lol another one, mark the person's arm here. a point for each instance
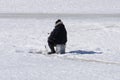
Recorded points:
(52, 37)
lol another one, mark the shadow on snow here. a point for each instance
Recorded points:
(84, 52)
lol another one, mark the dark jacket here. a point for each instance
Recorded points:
(58, 35)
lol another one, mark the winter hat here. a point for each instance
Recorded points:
(58, 21)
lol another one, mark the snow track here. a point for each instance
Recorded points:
(77, 58)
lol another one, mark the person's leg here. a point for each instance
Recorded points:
(60, 48)
(51, 46)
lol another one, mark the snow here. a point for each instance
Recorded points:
(60, 6)
(92, 51)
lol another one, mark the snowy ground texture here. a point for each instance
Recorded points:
(92, 51)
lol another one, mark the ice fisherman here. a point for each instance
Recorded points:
(58, 38)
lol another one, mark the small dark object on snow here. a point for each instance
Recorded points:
(51, 52)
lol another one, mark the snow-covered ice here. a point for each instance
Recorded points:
(92, 51)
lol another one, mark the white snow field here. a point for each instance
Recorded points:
(92, 50)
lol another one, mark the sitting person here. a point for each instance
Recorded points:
(58, 38)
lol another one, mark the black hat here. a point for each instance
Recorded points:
(57, 21)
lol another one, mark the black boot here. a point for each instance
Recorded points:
(51, 52)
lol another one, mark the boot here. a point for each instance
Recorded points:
(52, 52)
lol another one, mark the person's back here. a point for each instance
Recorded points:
(61, 36)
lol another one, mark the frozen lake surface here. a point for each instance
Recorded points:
(92, 50)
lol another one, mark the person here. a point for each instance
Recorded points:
(57, 37)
